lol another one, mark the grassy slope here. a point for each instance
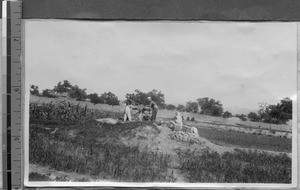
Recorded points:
(97, 151)
(100, 153)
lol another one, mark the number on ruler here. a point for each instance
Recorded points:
(16, 138)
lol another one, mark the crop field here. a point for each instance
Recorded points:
(65, 137)
(226, 121)
(168, 114)
(233, 138)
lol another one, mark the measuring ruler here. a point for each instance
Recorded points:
(11, 96)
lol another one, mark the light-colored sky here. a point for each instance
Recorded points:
(240, 64)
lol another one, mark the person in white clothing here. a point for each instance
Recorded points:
(127, 115)
(177, 121)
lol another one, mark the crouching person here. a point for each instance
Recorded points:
(194, 131)
(176, 123)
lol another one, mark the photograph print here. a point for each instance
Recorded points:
(167, 103)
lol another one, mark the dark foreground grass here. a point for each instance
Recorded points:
(88, 149)
(237, 167)
(38, 177)
(233, 138)
(99, 153)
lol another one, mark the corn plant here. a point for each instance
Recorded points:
(65, 113)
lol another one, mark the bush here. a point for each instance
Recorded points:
(34, 90)
(48, 93)
(78, 93)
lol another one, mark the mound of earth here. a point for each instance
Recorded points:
(149, 137)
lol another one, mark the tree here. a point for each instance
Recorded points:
(158, 97)
(109, 98)
(65, 87)
(286, 107)
(227, 114)
(264, 113)
(34, 90)
(95, 99)
(170, 107)
(78, 93)
(210, 107)
(192, 107)
(139, 97)
(277, 114)
(242, 117)
(180, 107)
(253, 117)
(48, 93)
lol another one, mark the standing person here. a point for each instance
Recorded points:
(127, 115)
(140, 112)
(154, 109)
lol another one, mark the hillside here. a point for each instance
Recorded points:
(142, 151)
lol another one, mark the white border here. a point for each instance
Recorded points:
(28, 183)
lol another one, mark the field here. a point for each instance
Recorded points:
(169, 114)
(232, 138)
(65, 140)
(227, 121)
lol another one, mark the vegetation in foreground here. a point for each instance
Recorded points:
(237, 167)
(97, 153)
(85, 148)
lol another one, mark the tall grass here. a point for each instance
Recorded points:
(237, 167)
(97, 152)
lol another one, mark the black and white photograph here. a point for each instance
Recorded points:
(163, 103)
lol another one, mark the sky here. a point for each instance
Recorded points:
(239, 64)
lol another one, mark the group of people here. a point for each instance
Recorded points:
(176, 121)
(153, 106)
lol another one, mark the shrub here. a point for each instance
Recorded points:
(48, 93)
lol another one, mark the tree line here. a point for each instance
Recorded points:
(74, 91)
(279, 113)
